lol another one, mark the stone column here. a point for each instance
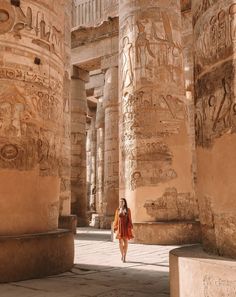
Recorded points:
(215, 122)
(156, 175)
(100, 158)
(111, 147)
(32, 72)
(78, 144)
(93, 165)
(66, 220)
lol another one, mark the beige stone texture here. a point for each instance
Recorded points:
(111, 149)
(91, 164)
(100, 125)
(78, 148)
(64, 170)
(35, 255)
(163, 233)
(93, 13)
(215, 122)
(32, 112)
(156, 160)
(194, 273)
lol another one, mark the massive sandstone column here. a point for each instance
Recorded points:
(215, 48)
(111, 147)
(156, 175)
(32, 106)
(78, 144)
(194, 272)
(93, 164)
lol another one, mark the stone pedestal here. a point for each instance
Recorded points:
(35, 255)
(215, 122)
(78, 145)
(195, 273)
(68, 222)
(167, 233)
(156, 174)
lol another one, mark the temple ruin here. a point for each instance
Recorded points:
(104, 99)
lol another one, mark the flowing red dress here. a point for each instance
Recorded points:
(123, 225)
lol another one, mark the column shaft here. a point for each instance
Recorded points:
(155, 169)
(215, 122)
(78, 148)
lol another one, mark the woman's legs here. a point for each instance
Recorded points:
(125, 249)
(121, 245)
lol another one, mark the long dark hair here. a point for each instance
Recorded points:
(126, 205)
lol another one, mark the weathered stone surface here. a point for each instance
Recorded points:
(194, 273)
(34, 102)
(35, 255)
(78, 148)
(174, 232)
(215, 122)
(155, 144)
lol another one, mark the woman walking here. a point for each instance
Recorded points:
(123, 227)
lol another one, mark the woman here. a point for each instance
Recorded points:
(123, 227)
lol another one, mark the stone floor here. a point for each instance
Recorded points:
(98, 271)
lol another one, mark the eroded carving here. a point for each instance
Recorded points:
(171, 206)
(216, 286)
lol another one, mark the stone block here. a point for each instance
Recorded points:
(167, 233)
(35, 255)
(195, 273)
(68, 222)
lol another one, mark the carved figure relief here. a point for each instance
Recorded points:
(215, 38)
(171, 206)
(215, 108)
(126, 69)
(216, 286)
(143, 48)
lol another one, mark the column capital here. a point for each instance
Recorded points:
(79, 73)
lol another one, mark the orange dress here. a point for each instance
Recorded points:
(123, 225)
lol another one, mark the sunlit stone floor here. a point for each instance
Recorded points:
(98, 271)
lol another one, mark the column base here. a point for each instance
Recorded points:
(82, 222)
(35, 255)
(68, 222)
(167, 233)
(101, 221)
(195, 273)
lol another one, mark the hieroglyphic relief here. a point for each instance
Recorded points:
(215, 105)
(149, 49)
(23, 19)
(215, 38)
(220, 287)
(171, 206)
(24, 142)
(201, 7)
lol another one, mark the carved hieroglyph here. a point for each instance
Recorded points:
(155, 146)
(215, 122)
(32, 109)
